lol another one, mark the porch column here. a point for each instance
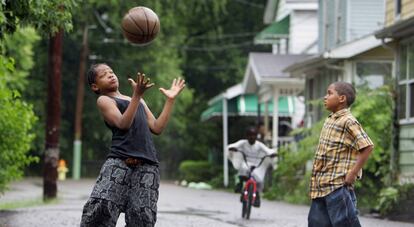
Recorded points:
(225, 142)
(275, 132)
(349, 71)
(266, 118)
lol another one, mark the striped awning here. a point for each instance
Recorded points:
(275, 31)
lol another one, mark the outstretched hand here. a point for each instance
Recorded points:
(141, 84)
(176, 87)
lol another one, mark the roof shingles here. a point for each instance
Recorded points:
(270, 65)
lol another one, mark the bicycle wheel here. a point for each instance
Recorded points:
(244, 208)
(249, 201)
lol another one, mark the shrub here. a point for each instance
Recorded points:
(196, 170)
(396, 202)
(16, 121)
(373, 109)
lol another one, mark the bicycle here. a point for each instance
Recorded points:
(249, 192)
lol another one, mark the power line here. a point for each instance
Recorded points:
(209, 67)
(217, 48)
(185, 47)
(225, 36)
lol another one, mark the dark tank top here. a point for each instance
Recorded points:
(136, 141)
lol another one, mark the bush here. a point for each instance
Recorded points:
(16, 116)
(397, 202)
(373, 109)
(196, 170)
(291, 179)
(16, 121)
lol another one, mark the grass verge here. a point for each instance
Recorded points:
(26, 203)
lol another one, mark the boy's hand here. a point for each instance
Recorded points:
(176, 87)
(350, 178)
(141, 84)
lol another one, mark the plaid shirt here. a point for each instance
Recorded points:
(341, 138)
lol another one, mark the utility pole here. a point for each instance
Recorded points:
(77, 143)
(51, 155)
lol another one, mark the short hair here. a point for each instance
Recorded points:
(344, 88)
(251, 130)
(92, 73)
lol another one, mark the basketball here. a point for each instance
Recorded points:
(140, 25)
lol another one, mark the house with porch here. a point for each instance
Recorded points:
(292, 31)
(374, 48)
(293, 34)
(399, 29)
(348, 51)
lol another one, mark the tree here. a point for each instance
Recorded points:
(167, 57)
(16, 116)
(50, 18)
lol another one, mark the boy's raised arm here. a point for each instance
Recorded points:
(158, 125)
(110, 111)
(113, 116)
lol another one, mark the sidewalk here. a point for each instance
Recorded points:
(66, 211)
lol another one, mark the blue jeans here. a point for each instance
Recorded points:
(336, 209)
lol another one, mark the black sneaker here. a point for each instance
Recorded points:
(257, 200)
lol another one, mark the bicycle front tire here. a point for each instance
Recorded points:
(249, 201)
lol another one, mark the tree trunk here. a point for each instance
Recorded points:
(51, 155)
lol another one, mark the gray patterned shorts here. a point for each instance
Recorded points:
(119, 188)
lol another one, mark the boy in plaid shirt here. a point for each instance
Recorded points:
(343, 149)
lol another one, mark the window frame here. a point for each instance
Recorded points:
(355, 66)
(407, 81)
(397, 9)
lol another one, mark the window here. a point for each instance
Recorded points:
(311, 94)
(406, 81)
(410, 59)
(402, 96)
(397, 9)
(373, 74)
(403, 64)
(411, 100)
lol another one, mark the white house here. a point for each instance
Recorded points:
(293, 26)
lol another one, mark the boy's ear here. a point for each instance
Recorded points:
(342, 98)
(94, 87)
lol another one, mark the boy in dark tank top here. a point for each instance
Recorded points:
(129, 179)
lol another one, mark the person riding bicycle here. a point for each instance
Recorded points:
(254, 151)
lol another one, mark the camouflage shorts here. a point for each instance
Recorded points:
(119, 188)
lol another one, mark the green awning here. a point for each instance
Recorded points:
(275, 31)
(246, 105)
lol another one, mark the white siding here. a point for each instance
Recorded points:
(364, 17)
(303, 31)
(340, 23)
(330, 24)
(321, 28)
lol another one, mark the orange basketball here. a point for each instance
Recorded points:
(140, 25)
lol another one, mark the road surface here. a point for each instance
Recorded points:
(177, 206)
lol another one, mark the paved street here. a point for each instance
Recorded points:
(177, 206)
